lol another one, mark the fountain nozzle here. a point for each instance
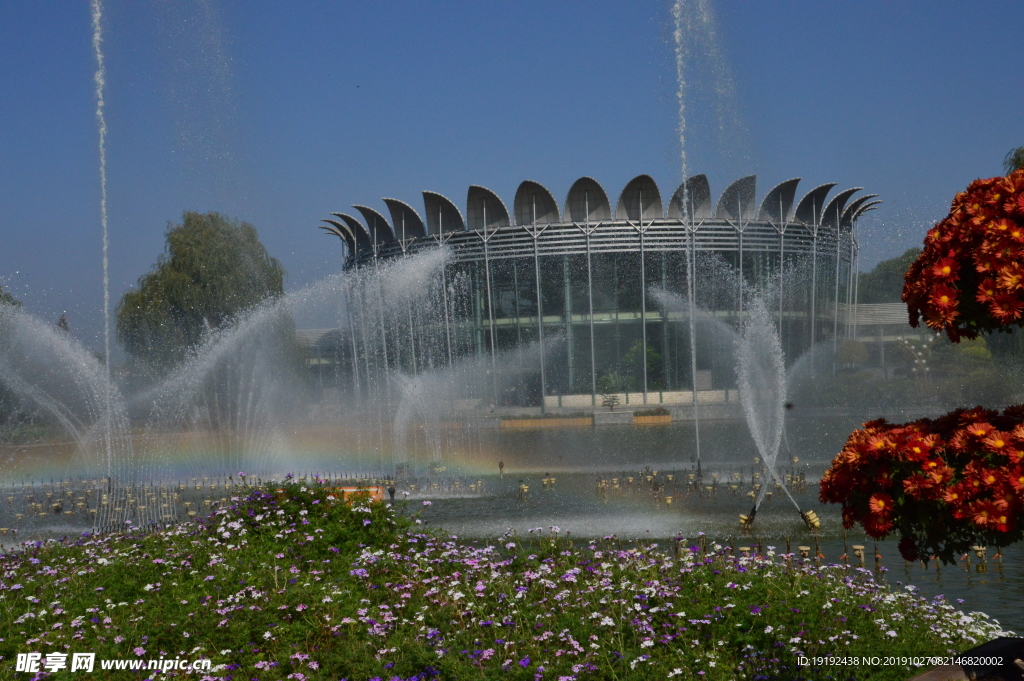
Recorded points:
(811, 519)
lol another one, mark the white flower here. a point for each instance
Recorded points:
(267, 635)
(891, 633)
(769, 629)
(608, 622)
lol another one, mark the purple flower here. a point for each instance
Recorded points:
(140, 651)
(524, 663)
(366, 522)
(427, 503)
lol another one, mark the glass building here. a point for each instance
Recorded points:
(566, 304)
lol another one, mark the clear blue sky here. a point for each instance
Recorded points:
(280, 113)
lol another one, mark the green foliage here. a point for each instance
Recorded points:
(7, 299)
(213, 270)
(1014, 160)
(967, 375)
(884, 284)
(611, 382)
(653, 411)
(8, 400)
(633, 361)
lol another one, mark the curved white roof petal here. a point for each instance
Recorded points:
(642, 189)
(358, 229)
(534, 205)
(777, 204)
(808, 211)
(407, 222)
(485, 210)
(698, 196)
(380, 230)
(442, 214)
(865, 208)
(340, 230)
(833, 212)
(737, 201)
(851, 210)
(586, 202)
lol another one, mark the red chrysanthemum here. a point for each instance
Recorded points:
(880, 504)
(877, 526)
(946, 484)
(984, 228)
(947, 269)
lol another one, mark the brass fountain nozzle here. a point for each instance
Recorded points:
(811, 519)
(748, 520)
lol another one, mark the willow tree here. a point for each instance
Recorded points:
(212, 271)
(1014, 160)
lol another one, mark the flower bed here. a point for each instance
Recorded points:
(943, 485)
(303, 589)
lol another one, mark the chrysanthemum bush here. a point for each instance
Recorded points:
(969, 277)
(302, 586)
(942, 485)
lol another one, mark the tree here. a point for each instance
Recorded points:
(884, 284)
(633, 360)
(8, 400)
(213, 270)
(7, 299)
(1014, 160)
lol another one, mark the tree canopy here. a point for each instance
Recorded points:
(213, 270)
(7, 299)
(884, 284)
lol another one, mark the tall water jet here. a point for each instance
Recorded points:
(761, 374)
(687, 211)
(101, 122)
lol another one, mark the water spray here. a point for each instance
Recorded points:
(101, 122)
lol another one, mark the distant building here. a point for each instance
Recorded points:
(601, 294)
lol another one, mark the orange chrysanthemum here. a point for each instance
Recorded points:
(944, 298)
(947, 269)
(980, 430)
(997, 442)
(880, 504)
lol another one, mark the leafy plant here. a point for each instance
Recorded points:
(213, 270)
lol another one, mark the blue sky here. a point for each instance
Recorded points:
(280, 113)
